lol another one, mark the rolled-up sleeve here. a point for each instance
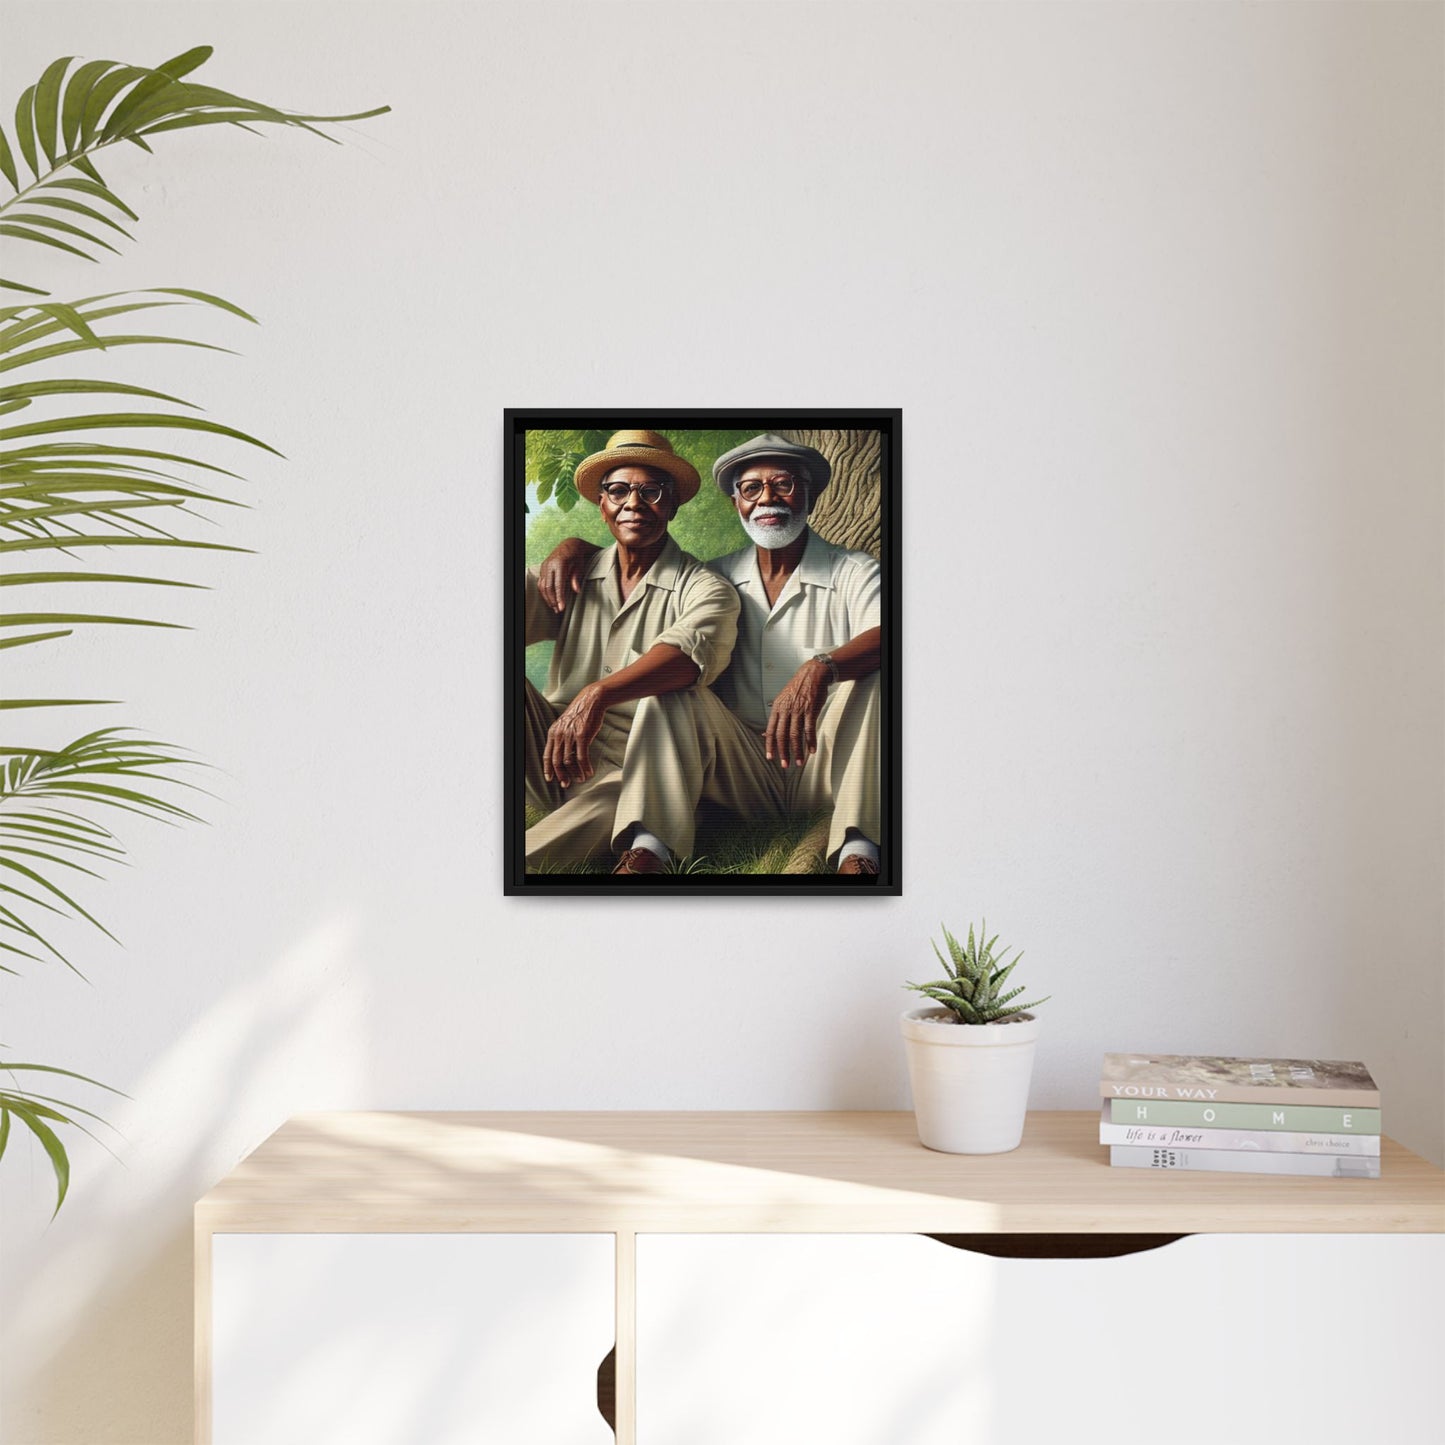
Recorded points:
(541, 623)
(706, 625)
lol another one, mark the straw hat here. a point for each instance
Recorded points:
(637, 449)
(726, 468)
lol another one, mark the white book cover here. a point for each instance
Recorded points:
(1235, 1161)
(1263, 1141)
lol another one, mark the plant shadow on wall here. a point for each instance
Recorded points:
(91, 470)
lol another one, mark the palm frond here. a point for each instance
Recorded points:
(110, 768)
(42, 1113)
(63, 491)
(74, 111)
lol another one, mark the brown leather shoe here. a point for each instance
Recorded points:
(857, 864)
(641, 860)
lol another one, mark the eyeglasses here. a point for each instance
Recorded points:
(618, 492)
(752, 489)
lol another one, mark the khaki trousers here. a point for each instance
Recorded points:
(843, 773)
(654, 767)
(649, 762)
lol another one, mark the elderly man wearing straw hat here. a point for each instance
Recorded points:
(615, 747)
(802, 729)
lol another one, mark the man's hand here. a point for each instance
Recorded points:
(560, 575)
(567, 757)
(792, 730)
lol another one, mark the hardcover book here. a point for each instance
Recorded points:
(1234, 1161)
(1260, 1081)
(1301, 1118)
(1265, 1141)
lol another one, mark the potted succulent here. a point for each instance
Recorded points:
(971, 1057)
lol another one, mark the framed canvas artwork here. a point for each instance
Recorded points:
(702, 652)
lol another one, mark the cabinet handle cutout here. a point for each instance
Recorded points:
(607, 1389)
(1056, 1246)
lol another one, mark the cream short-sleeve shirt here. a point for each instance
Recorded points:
(678, 601)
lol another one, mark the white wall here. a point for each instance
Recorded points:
(1159, 291)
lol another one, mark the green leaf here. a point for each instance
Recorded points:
(50, 1142)
(56, 891)
(186, 61)
(67, 348)
(99, 192)
(78, 208)
(32, 389)
(65, 543)
(27, 579)
(7, 161)
(77, 89)
(205, 297)
(154, 85)
(948, 967)
(54, 223)
(87, 167)
(76, 619)
(30, 638)
(10, 704)
(22, 233)
(47, 108)
(25, 130)
(117, 420)
(20, 286)
(102, 93)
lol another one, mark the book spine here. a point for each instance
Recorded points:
(1240, 1094)
(1269, 1141)
(1234, 1161)
(1297, 1118)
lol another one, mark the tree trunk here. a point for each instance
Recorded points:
(848, 513)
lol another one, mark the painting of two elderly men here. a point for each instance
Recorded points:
(703, 614)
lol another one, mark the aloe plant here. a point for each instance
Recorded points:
(76, 483)
(973, 989)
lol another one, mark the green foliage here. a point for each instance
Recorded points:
(64, 492)
(69, 115)
(707, 526)
(39, 1113)
(104, 770)
(973, 989)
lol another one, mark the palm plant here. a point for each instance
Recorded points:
(74, 486)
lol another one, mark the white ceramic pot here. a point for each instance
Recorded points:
(970, 1081)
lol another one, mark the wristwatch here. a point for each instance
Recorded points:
(827, 661)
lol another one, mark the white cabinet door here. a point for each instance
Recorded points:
(396, 1339)
(900, 1340)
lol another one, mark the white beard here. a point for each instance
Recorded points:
(772, 538)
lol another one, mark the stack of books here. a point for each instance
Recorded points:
(1244, 1116)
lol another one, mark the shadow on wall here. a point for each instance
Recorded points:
(99, 1304)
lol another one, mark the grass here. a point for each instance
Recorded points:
(727, 844)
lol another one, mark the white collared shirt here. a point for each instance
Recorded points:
(832, 596)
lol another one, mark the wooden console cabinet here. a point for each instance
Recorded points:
(397, 1277)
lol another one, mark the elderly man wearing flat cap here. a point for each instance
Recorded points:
(802, 727)
(615, 747)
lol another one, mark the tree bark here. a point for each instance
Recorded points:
(848, 513)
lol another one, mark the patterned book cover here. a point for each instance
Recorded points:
(1210, 1077)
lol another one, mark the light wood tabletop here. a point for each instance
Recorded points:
(827, 1172)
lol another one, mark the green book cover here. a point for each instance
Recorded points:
(1314, 1118)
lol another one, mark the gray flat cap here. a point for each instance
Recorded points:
(727, 467)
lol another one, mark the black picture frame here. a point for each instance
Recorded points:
(517, 423)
